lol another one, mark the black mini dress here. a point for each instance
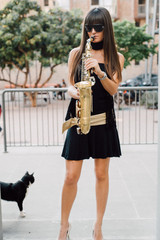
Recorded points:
(102, 141)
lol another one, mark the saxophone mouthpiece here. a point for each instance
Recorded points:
(92, 38)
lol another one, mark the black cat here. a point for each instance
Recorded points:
(17, 191)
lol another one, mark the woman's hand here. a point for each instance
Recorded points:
(93, 63)
(73, 92)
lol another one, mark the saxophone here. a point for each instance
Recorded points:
(84, 104)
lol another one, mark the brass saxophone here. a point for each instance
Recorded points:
(84, 104)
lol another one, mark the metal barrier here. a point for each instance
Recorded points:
(137, 115)
(24, 125)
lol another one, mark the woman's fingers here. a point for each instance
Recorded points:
(89, 66)
(73, 92)
(77, 92)
(92, 63)
(76, 95)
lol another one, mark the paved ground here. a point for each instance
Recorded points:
(131, 208)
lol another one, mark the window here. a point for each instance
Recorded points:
(137, 24)
(54, 3)
(141, 7)
(95, 2)
(136, 62)
(141, 1)
(46, 2)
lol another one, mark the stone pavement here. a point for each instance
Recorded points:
(131, 207)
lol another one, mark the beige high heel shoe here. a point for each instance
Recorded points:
(93, 235)
(68, 232)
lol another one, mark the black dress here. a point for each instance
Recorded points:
(102, 141)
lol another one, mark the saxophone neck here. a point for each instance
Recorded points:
(86, 74)
(91, 39)
(88, 44)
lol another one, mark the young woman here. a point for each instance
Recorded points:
(102, 142)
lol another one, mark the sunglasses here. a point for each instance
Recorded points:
(97, 27)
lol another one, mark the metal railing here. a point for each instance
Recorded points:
(137, 115)
(24, 125)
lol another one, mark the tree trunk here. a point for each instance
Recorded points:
(32, 97)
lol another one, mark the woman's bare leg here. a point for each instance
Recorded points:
(73, 171)
(102, 189)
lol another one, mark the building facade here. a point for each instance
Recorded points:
(133, 10)
(86, 5)
(47, 4)
(3, 3)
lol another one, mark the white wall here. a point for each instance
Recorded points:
(63, 3)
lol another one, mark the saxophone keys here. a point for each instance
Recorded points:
(78, 109)
(79, 113)
(78, 104)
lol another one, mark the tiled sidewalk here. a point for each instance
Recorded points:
(131, 207)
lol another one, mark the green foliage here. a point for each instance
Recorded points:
(132, 41)
(27, 34)
(59, 34)
(16, 28)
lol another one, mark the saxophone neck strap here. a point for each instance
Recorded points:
(95, 120)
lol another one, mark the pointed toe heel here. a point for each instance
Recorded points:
(93, 235)
(68, 232)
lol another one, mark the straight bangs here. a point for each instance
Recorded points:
(94, 17)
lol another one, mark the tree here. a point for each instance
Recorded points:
(132, 41)
(28, 34)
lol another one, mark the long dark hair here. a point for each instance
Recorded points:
(100, 15)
